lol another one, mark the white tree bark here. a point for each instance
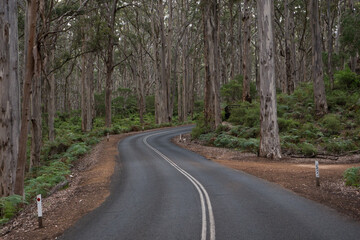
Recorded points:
(269, 130)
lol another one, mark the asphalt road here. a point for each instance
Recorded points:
(165, 192)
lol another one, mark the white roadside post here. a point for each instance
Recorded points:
(39, 208)
(317, 174)
(107, 136)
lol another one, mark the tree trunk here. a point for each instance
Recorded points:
(246, 52)
(232, 45)
(289, 48)
(317, 69)
(169, 61)
(51, 103)
(29, 72)
(212, 112)
(36, 120)
(109, 64)
(185, 70)
(269, 130)
(9, 97)
(330, 46)
(87, 79)
(163, 114)
(239, 41)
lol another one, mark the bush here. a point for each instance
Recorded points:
(48, 177)
(208, 138)
(340, 145)
(224, 140)
(232, 92)
(307, 149)
(246, 114)
(200, 128)
(352, 176)
(332, 123)
(346, 79)
(287, 124)
(9, 206)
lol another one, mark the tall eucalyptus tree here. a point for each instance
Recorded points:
(269, 130)
(9, 97)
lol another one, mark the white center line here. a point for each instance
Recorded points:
(199, 187)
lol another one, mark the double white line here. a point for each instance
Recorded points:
(204, 196)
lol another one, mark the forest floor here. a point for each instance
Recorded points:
(89, 185)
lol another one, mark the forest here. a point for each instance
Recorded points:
(283, 75)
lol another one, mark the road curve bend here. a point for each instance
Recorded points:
(164, 192)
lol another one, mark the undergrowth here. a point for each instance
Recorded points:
(352, 177)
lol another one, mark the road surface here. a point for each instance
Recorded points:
(165, 192)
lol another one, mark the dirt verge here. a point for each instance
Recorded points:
(295, 174)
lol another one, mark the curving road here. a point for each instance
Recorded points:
(165, 192)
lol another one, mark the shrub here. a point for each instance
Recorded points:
(247, 114)
(251, 144)
(332, 123)
(208, 138)
(225, 140)
(352, 176)
(200, 128)
(232, 92)
(347, 79)
(290, 139)
(340, 145)
(307, 149)
(9, 207)
(48, 176)
(287, 124)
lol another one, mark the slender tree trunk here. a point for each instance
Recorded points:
(169, 60)
(87, 92)
(240, 41)
(164, 115)
(36, 120)
(9, 97)
(330, 45)
(289, 59)
(109, 65)
(269, 131)
(232, 45)
(317, 70)
(52, 98)
(185, 75)
(87, 78)
(29, 72)
(247, 52)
